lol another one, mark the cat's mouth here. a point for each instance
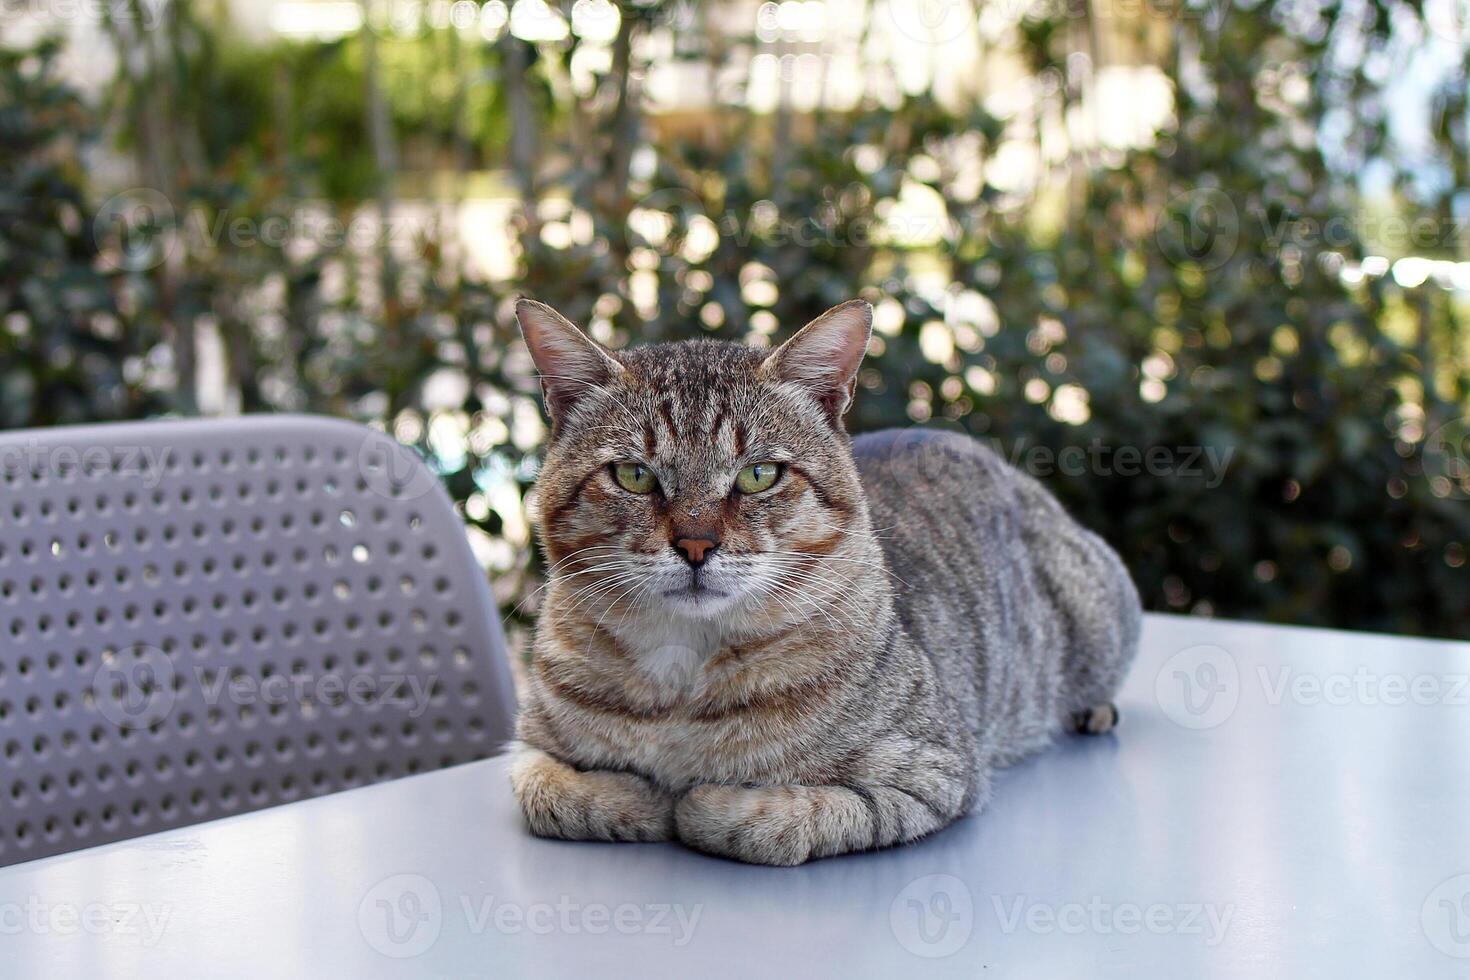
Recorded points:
(696, 594)
(696, 591)
(699, 593)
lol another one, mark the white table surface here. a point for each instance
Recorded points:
(1278, 803)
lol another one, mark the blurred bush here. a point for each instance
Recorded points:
(71, 348)
(1155, 333)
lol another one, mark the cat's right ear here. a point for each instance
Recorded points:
(824, 356)
(570, 363)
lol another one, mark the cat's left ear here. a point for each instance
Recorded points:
(824, 356)
(571, 364)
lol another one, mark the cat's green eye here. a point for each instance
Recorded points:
(761, 476)
(634, 477)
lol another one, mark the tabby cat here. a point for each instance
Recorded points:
(775, 643)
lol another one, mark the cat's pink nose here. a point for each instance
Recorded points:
(696, 549)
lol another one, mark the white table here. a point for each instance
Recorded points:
(1306, 814)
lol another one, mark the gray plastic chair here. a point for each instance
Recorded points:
(204, 618)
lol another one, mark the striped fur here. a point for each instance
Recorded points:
(873, 635)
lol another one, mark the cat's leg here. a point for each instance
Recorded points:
(1096, 720)
(787, 825)
(1107, 619)
(561, 801)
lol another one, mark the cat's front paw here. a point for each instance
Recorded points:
(760, 825)
(561, 801)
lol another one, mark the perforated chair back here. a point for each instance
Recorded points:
(204, 618)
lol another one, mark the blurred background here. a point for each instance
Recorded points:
(1201, 267)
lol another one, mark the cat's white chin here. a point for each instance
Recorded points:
(699, 603)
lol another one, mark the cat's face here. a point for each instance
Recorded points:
(696, 480)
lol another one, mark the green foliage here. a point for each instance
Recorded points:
(1167, 300)
(1294, 420)
(65, 353)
